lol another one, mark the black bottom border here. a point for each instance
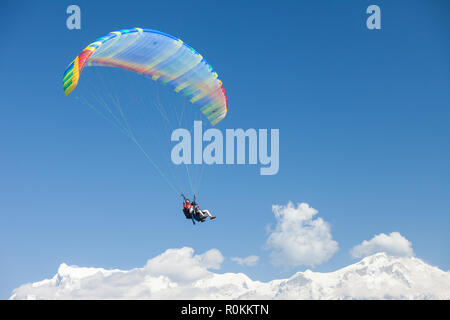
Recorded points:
(224, 309)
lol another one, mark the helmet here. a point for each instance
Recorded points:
(187, 200)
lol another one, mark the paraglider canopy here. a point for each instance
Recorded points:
(160, 56)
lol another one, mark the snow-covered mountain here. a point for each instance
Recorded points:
(375, 277)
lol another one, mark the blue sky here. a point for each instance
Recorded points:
(363, 118)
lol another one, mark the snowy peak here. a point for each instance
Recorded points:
(375, 277)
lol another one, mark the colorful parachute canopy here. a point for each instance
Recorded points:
(160, 56)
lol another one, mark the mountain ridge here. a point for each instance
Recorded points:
(378, 276)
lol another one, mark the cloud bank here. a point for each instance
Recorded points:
(182, 274)
(300, 238)
(394, 244)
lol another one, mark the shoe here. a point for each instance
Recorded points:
(213, 217)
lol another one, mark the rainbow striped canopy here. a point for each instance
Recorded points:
(160, 56)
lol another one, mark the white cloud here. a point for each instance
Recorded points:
(376, 277)
(181, 265)
(394, 244)
(247, 261)
(299, 237)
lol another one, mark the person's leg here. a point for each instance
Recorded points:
(201, 214)
(209, 214)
